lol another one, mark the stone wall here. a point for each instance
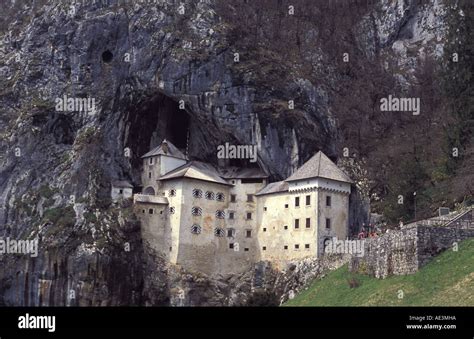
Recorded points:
(404, 251)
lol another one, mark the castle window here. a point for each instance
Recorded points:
(172, 210)
(143, 211)
(306, 246)
(285, 247)
(308, 200)
(172, 192)
(219, 232)
(196, 210)
(308, 222)
(286, 205)
(285, 227)
(195, 229)
(231, 245)
(233, 198)
(231, 215)
(297, 223)
(328, 223)
(246, 249)
(328, 201)
(248, 233)
(197, 193)
(297, 247)
(249, 215)
(151, 211)
(249, 197)
(264, 229)
(209, 195)
(297, 201)
(264, 248)
(230, 232)
(220, 214)
(264, 208)
(220, 196)
(121, 191)
(151, 161)
(149, 175)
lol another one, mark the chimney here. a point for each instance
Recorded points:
(164, 146)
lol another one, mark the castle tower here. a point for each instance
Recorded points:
(159, 161)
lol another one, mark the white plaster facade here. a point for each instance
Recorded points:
(219, 224)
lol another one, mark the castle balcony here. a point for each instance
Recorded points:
(149, 199)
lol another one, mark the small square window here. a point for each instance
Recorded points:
(264, 229)
(248, 233)
(246, 249)
(328, 223)
(231, 215)
(265, 209)
(328, 201)
(121, 191)
(285, 227)
(233, 198)
(264, 248)
(249, 215)
(297, 223)
(285, 247)
(151, 211)
(308, 200)
(306, 246)
(308, 222)
(286, 205)
(231, 245)
(297, 247)
(249, 197)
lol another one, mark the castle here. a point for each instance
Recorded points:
(219, 221)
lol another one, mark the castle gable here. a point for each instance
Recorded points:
(195, 170)
(166, 148)
(320, 166)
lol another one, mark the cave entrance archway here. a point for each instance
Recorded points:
(149, 191)
(151, 120)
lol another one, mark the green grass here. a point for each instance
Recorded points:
(448, 280)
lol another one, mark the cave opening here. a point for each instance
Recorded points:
(107, 56)
(152, 120)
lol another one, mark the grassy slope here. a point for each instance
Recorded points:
(448, 280)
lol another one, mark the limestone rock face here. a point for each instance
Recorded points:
(138, 63)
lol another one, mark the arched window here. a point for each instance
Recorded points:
(220, 196)
(209, 195)
(196, 210)
(172, 192)
(220, 214)
(197, 193)
(195, 229)
(219, 232)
